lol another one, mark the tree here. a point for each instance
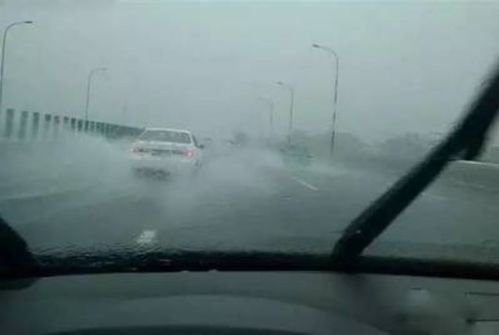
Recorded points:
(346, 147)
(407, 147)
(240, 138)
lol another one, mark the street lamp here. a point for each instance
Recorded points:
(270, 103)
(89, 82)
(2, 61)
(335, 97)
(291, 107)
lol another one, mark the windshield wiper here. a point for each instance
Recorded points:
(467, 139)
(125, 260)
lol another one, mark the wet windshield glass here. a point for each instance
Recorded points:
(303, 114)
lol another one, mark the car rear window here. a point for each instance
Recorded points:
(166, 136)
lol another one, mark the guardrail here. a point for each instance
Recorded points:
(32, 126)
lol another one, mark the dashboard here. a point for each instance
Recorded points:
(217, 302)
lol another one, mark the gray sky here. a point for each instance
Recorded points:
(403, 66)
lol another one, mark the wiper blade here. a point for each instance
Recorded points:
(15, 257)
(170, 260)
(468, 137)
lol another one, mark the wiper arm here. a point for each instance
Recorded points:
(468, 137)
(15, 256)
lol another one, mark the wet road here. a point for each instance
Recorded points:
(242, 200)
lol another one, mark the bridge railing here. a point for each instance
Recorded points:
(33, 126)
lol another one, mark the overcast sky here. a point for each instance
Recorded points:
(404, 67)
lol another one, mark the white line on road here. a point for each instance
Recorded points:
(146, 237)
(304, 183)
(432, 196)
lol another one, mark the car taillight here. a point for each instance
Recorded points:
(189, 153)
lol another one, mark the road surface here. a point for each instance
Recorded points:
(244, 200)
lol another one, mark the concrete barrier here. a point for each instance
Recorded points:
(35, 125)
(481, 175)
(23, 126)
(48, 127)
(9, 124)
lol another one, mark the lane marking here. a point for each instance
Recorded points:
(432, 196)
(304, 183)
(146, 237)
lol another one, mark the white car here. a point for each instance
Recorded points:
(166, 151)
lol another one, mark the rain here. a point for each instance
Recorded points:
(262, 87)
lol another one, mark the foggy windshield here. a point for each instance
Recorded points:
(165, 136)
(303, 114)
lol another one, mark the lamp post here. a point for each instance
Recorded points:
(270, 103)
(291, 107)
(89, 82)
(2, 61)
(335, 94)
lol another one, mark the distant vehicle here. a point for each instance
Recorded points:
(163, 151)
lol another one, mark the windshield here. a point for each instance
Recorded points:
(165, 136)
(300, 116)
